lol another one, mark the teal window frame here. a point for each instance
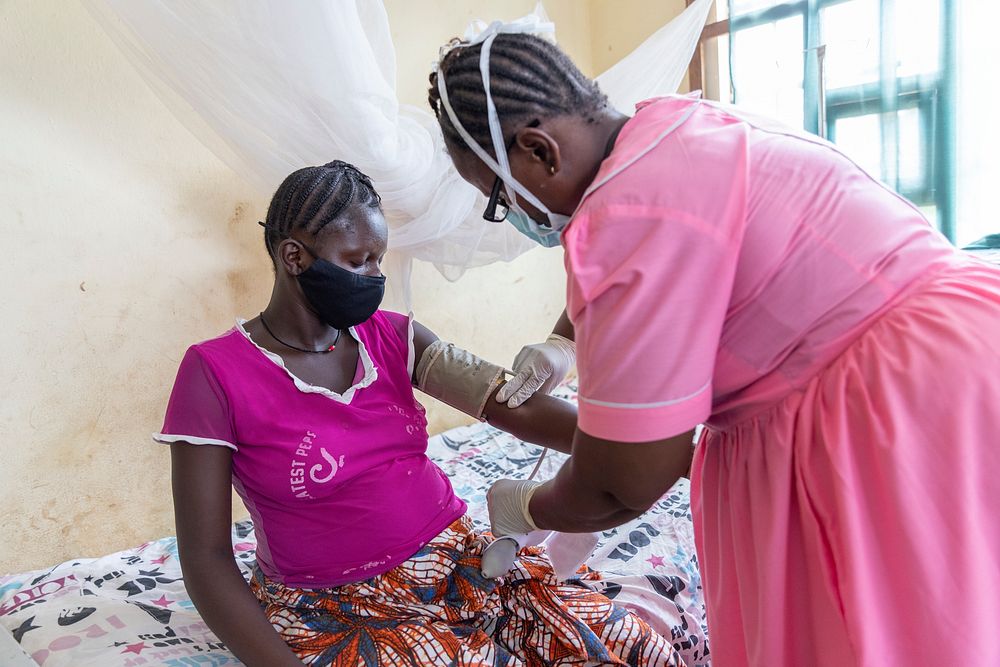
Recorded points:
(932, 94)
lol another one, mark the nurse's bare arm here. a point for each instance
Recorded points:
(201, 477)
(564, 327)
(542, 420)
(605, 484)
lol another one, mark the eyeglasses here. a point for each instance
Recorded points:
(497, 206)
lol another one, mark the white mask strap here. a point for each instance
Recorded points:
(480, 153)
(496, 132)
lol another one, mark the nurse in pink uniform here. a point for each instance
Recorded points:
(842, 355)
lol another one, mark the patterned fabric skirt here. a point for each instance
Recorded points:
(437, 609)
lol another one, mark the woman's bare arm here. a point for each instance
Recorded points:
(201, 477)
(541, 420)
(604, 483)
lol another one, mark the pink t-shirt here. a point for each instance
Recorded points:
(339, 486)
(719, 262)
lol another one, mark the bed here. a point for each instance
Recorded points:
(130, 608)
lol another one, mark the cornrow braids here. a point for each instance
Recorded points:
(313, 197)
(530, 78)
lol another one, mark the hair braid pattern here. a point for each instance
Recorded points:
(530, 78)
(311, 198)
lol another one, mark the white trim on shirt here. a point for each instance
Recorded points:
(371, 372)
(645, 406)
(166, 439)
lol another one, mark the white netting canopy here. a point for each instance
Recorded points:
(271, 86)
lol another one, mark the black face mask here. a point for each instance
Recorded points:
(340, 298)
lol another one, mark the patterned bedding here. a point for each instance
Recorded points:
(130, 608)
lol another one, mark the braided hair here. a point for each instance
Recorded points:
(313, 197)
(530, 79)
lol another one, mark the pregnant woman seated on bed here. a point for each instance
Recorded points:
(365, 554)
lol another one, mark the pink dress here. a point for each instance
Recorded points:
(844, 359)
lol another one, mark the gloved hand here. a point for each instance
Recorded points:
(539, 367)
(507, 501)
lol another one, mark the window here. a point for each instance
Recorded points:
(876, 77)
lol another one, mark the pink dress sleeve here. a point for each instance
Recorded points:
(198, 411)
(648, 292)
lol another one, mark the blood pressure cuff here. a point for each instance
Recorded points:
(458, 377)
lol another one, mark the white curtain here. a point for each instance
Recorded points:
(271, 86)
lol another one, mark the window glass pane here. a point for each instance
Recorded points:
(747, 6)
(860, 137)
(918, 38)
(911, 151)
(930, 212)
(715, 62)
(977, 169)
(850, 32)
(767, 69)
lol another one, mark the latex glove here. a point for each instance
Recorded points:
(539, 367)
(507, 501)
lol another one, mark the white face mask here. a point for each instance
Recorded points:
(501, 166)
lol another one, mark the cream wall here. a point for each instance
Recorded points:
(618, 26)
(127, 241)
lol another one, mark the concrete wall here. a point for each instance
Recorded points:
(618, 26)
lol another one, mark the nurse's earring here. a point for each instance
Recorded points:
(552, 169)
